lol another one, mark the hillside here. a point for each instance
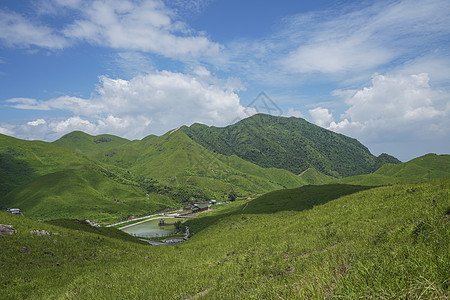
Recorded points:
(109, 180)
(21, 161)
(83, 193)
(47, 181)
(385, 243)
(88, 144)
(289, 143)
(427, 167)
(173, 160)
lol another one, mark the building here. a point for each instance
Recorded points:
(15, 211)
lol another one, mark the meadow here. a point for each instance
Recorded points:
(385, 242)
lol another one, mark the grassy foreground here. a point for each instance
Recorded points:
(384, 243)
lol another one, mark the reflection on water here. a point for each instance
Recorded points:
(152, 228)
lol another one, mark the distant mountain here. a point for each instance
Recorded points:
(423, 168)
(88, 144)
(173, 160)
(106, 177)
(289, 143)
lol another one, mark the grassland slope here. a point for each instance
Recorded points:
(175, 161)
(427, 167)
(386, 243)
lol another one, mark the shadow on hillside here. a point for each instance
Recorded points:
(298, 199)
(13, 172)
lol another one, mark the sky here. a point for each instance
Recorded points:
(377, 71)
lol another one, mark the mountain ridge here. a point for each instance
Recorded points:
(289, 143)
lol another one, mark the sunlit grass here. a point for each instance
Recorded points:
(384, 243)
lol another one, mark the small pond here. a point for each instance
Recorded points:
(152, 229)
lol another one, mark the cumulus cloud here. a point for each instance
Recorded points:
(147, 26)
(37, 122)
(294, 113)
(320, 116)
(151, 103)
(394, 108)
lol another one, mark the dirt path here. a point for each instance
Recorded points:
(304, 172)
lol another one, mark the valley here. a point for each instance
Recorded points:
(297, 230)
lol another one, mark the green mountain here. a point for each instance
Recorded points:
(88, 144)
(109, 179)
(289, 143)
(427, 167)
(385, 243)
(47, 181)
(174, 161)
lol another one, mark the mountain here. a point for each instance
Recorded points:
(289, 143)
(423, 168)
(173, 160)
(106, 177)
(47, 181)
(88, 144)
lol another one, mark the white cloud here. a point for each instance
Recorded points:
(6, 131)
(146, 104)
(363, 37)
(294, 113)
(147, 26)
(17, 31)
(320, 116)
(394, 109)
(37, 122)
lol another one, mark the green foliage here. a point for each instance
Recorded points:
(232, 196)
(289, 143)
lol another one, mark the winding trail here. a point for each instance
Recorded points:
(304, 172)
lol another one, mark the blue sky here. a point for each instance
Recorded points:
(378, 71)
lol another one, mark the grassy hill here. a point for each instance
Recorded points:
(88, 144)
(173, 160)
(427, 167)
(385, 243)
(82, 193)
(47, 181)
(289, 143)
(22, 161)
(110, 179)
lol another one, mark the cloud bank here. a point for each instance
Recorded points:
(394, 109)
(146, 104)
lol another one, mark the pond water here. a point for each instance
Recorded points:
(152, 229)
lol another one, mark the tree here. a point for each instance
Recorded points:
(232, 196)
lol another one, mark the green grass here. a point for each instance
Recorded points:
(385, 243)
(298, 199)
(88, 144)
(427, 167)
(82, 193)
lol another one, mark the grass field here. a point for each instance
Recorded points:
(423, 168)
(384, 243)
